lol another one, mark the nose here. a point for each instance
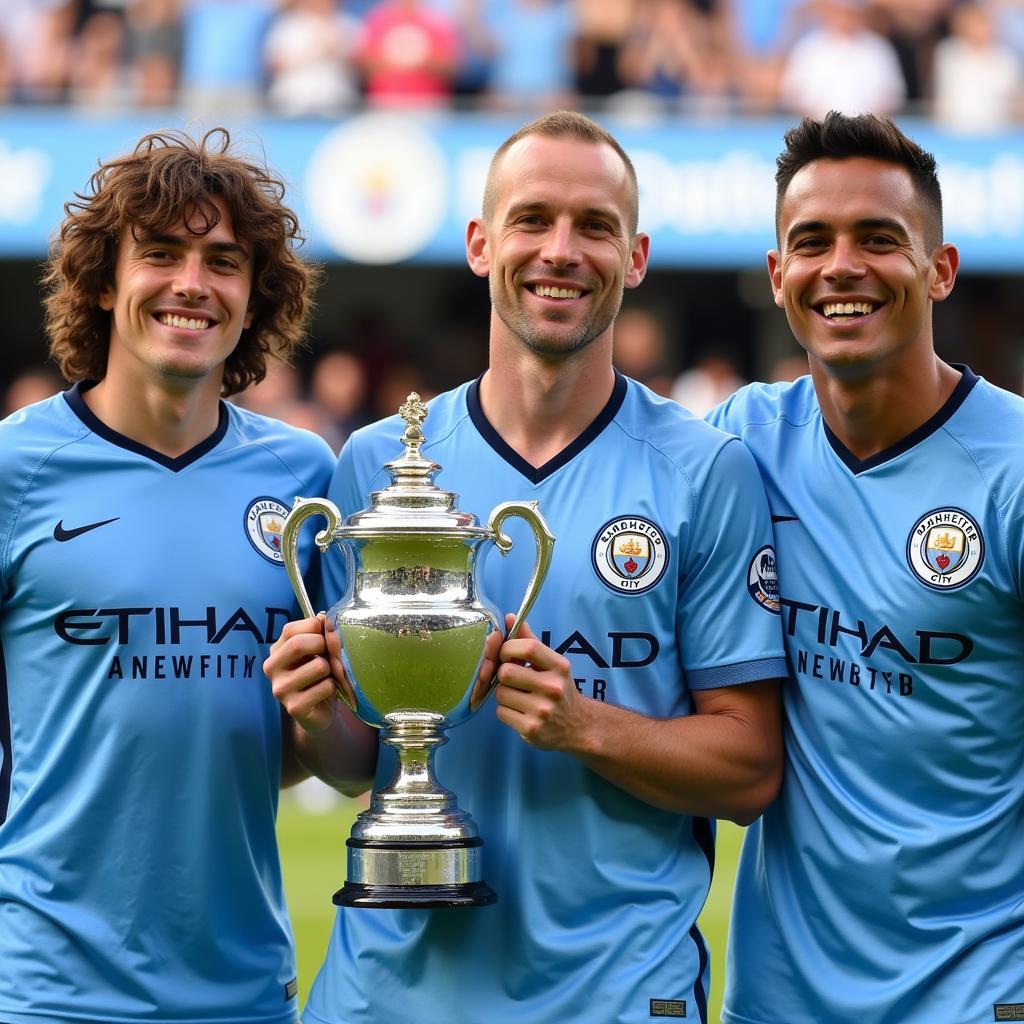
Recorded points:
(190, 279)
(561, 247)
(844, 260)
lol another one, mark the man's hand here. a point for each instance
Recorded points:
(537, 696)
(305, 671)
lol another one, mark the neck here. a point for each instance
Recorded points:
(872, 413)
(538, 406)
(164, 419)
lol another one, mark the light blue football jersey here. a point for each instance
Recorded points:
(141, 744)
(886, 884)
(659, 520)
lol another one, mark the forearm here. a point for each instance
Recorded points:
(722, 765)
(344, 755)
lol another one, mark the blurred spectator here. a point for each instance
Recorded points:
(759, 34)
(37, 35)
(31, 385)
(6, 72)
(308, 56)
(841, 64)
(394, 387)
(475, 43)
(96, 60)
(641, 349)
(281, 387)
(712, 379)
(603, 26)
(914, 27)
(788, 368)
(409, 55)
(153, 47)
(532, 54)
(339, 387)
(978, 80)
(671, 53)
(1009, 18)
(222, 48)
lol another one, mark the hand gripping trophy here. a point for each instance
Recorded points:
(413, 631)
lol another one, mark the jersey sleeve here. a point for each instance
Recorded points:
(729, 623)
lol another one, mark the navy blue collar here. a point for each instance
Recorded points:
(73, 396)
(964, 387)
(535, 474)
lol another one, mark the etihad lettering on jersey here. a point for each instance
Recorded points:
(617, 649)
(927, 647)
(170, 627)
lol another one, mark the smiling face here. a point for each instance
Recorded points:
(854, 272)
(557, 248)
(179, 302)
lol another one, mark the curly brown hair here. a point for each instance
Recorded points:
(170, 174)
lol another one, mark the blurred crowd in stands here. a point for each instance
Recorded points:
(959, 61)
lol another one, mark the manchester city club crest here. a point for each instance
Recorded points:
(630, 554)
(264, 522)
(763, 580)
(945, 548)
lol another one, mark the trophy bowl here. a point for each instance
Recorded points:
(413, 630)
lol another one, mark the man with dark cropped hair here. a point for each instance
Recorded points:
(886, 884)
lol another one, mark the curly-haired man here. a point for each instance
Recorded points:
(141, 581)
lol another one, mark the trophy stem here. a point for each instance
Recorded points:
(414, 847)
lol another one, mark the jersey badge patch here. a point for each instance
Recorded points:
(763, 580)
(264, 523)
(629, 554)
(945, 548)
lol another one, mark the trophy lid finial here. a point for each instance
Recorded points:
(414, 412)
(412, 501)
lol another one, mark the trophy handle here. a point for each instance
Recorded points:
(301, 511)
(545, 545)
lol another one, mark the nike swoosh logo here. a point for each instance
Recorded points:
(785, 519)
(60, 534)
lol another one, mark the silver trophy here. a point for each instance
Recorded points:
(413, 630)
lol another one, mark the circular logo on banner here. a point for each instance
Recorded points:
(763, 579)
(264, 523)
(945, 548)
(630, 554)
(377, 188)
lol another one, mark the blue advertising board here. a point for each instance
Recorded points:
(386, 188)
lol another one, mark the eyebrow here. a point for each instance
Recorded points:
(235, 248)
(864, 224)
(600, 212)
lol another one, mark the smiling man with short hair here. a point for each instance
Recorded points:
(886, 884)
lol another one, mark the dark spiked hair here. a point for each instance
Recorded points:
(840, 137)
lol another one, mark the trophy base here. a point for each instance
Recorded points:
(410, 897)
(418, 873)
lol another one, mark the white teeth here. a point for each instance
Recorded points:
(548, 291)
(172, 320)
(847, 308)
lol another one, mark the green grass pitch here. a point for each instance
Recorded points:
(313, 856)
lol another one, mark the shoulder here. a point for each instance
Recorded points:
(694, 448)
(989, 426)
(30, 435)
(305, 453)
(766, 405)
